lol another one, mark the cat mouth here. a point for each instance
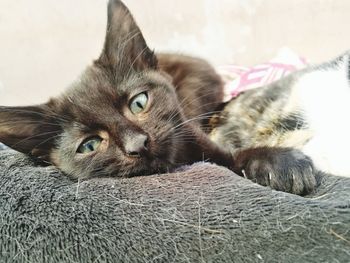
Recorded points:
(157, 161)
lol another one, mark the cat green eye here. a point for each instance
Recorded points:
(138, 103)
(90, 145)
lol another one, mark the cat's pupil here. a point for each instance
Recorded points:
(91, 148)
(139, 105)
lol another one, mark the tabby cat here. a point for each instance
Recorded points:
(307, 110)
(133, 112)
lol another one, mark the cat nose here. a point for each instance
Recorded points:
(136, 145)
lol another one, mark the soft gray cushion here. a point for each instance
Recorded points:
(2, 146)
(202, 213)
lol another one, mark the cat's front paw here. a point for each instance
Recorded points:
(282, 169)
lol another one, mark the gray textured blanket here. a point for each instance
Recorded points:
(202, 213)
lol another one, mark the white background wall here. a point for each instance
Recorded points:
(45, 44)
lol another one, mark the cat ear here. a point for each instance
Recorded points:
(30, 130)
(125, 47)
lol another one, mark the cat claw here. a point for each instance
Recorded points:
(244, 174)
(282, 169)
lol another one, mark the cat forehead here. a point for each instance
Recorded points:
(97, 93)
(96, 82)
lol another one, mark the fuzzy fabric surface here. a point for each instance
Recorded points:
(2, 146)
(201, 213)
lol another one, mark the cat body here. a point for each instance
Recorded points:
(133, 112)
(307, 110)
(105, 111)
(178, 92)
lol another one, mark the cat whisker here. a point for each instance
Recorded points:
(183, 135)
(199, 117)
(198, 98)
(130, 36)
(182, 103)
(135, 59)
(121, 48)
(35, 136)
(184, 100)
(43, 142)
(16, 110)
(11, 122)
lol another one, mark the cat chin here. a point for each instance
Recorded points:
(144, 167)
(150, 167)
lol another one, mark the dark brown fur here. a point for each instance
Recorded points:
(197, 85)
(182, 93)
(98, 105)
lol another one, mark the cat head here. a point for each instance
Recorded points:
(118, 119)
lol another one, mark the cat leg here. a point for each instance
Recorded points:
(283, 169)
(201, 148)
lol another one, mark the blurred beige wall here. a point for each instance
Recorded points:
(45, 44)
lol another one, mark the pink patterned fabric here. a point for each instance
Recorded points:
(239, 79)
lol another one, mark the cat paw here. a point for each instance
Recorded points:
(282, 169)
